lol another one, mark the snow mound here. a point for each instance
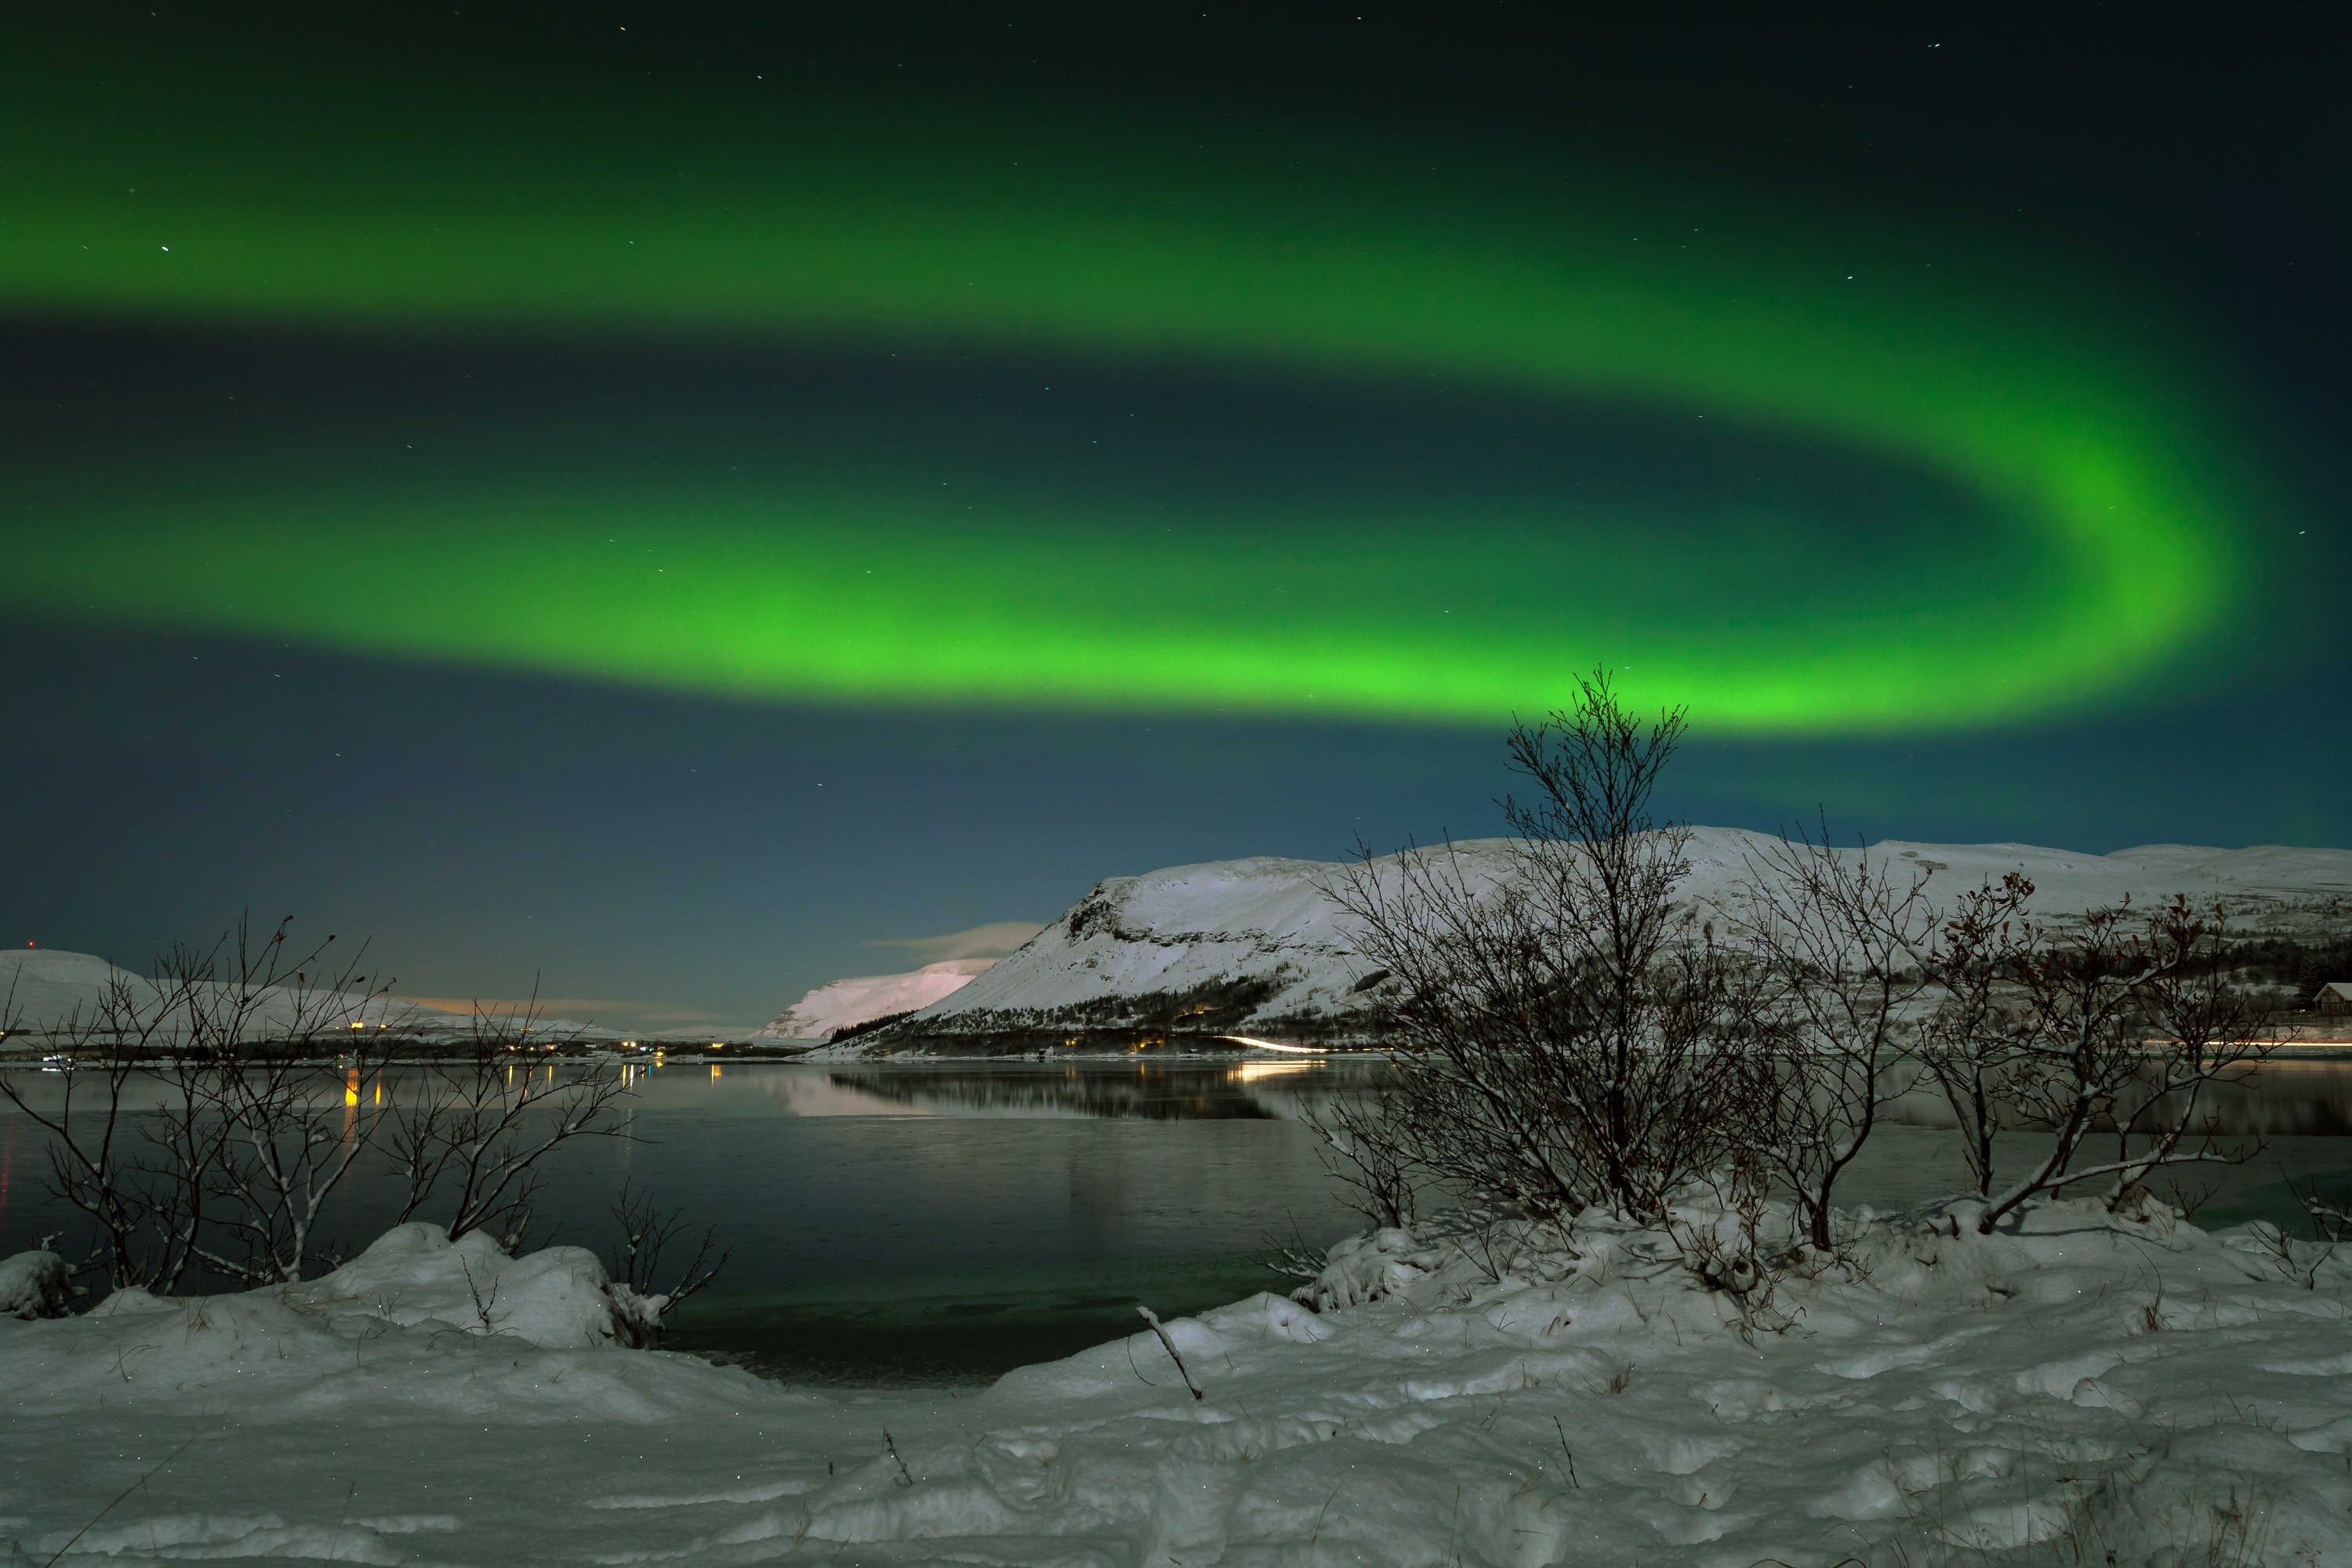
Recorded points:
(2092, 1388)
(35, 1285)
(1258, 948)
(842, 1004)
(414, 1276)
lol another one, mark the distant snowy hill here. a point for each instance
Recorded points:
(42, 989)
(1256, 947)
(843, 1004)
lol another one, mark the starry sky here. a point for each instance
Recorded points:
(671, 505)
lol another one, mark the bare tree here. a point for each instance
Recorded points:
(1839, 938)
(471, 1138)
(1976, 1033)
(1572, 1033)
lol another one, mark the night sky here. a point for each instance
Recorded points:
(673, 504)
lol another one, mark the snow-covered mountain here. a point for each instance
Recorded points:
(1258, 947)
(844, 1004)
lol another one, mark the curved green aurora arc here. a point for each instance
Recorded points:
(2110, 508)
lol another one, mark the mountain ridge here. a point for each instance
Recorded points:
(1255, 947)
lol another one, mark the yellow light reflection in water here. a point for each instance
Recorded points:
(1250, 1072)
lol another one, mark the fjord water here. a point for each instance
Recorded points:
(942, 1222)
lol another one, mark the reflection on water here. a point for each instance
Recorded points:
(2284, 1098)
(2289, 1099)
(2299, 1097)
(1168, 1091)
(819, 1173)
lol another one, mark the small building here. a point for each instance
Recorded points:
(2334, 998)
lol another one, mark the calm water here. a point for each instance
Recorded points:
(943, 1223)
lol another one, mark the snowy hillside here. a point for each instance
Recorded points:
(861, 999)
(1257, 947)
(42, 990)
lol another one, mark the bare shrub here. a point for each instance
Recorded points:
(2330, 1225)
(2201, 1027)
(1838, 939)
(1366, 1142)
(212, 1134)
(1569, 1033)
(2079, 989)
(647, 1233)
(294, 1124)
(209, 1115)
(2115, 1024)
(2127, 1018)
(471, 1138)
(128, 1159)
(1723, 1246)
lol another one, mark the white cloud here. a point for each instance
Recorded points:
(996, 940)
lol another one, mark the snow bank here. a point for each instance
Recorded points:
(861, 999)
(414, 1276)
(1256, 947)
(2104, 1387)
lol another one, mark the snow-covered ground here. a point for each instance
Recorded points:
(2140, 1394)
(861, 999)
(1258, 947)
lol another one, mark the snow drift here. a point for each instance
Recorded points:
(1257, 947)
(415, 1276)
(412, 1277)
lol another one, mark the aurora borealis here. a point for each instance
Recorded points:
(2112, 483)
(1041, 370)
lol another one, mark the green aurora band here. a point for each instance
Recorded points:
(2114, 507)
